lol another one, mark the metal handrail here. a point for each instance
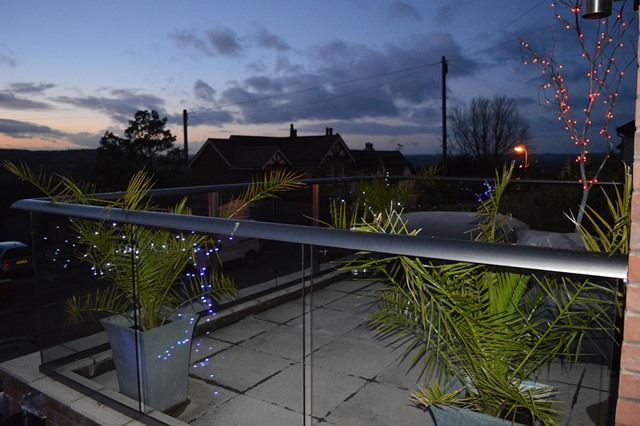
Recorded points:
(512, 256)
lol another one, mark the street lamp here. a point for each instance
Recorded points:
(522, 149)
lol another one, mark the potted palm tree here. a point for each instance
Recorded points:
(483, 334)
(149, 310)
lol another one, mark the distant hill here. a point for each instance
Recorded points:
(419, 161)
(79, 163)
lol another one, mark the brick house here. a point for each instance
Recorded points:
(369, 162)
(242, 158)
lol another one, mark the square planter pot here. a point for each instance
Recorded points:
(455, 416)
(159, 377)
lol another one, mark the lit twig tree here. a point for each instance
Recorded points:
(598, 44)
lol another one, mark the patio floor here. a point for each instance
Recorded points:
(251, 372)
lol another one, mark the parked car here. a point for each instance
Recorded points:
(15, 258)
(228, 250)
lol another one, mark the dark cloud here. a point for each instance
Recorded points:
(308, 93)
(203, 91)
(24, 87)
(85, 139)
(403, 10)
(268, 40)
(23, 129)
(10, 96)
(283, 65)
(7, 57)
(120, 106)
(10, 101)
(188, 39)
(216, 42)
(445, 13)
(263, 84)
(205, 117)
(369, 127)
(224, 42)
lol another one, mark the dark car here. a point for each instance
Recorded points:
(15, 258)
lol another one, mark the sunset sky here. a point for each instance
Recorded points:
(69, 70)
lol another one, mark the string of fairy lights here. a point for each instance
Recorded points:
(602, 68)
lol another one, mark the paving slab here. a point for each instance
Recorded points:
(354, 357)
(349, 286)
(239, 368)
(285, 341)
(247, 411)
(583, 406)
(203, 398)
(203, 347)
(328, 389)
(355, 304)
(589, 375)
(329, 321)
(320, 298)
(281, 313)
(379, 405)
(241, 330)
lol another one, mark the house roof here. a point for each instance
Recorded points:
(243, 152)
(627, 128)
(371, 161)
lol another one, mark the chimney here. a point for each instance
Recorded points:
(292, 132)
(328, 131)
(368, 146)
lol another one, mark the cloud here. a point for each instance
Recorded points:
(205, 117)
(23, 129)
(26, 87)
(217, 42)
(369, 127)
(403, 10)
(224, 41)
(203, 91)
(120, 106)
(307, 93)
(10, 101)
(268, 40)
(444, 13)
(188, 39)
(7, 56)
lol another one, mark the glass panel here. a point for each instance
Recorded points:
(369, 332)
(247, 358)
(70, 285)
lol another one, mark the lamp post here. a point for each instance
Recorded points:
(522, 149)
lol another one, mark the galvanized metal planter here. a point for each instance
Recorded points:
(444, 415)
(156, 372)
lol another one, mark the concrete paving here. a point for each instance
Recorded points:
(251, 372)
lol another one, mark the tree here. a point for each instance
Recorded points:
(488, 129)
(598, 44)
(146, 145)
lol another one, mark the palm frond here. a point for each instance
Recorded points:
(271, 184)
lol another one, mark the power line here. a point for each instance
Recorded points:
(322, 86)
(508, 24)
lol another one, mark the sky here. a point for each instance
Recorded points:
(71, 70)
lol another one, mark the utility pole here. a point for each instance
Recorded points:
(185, 121)
(445, 69)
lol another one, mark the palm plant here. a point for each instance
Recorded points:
(145, 266)
(483, 332)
